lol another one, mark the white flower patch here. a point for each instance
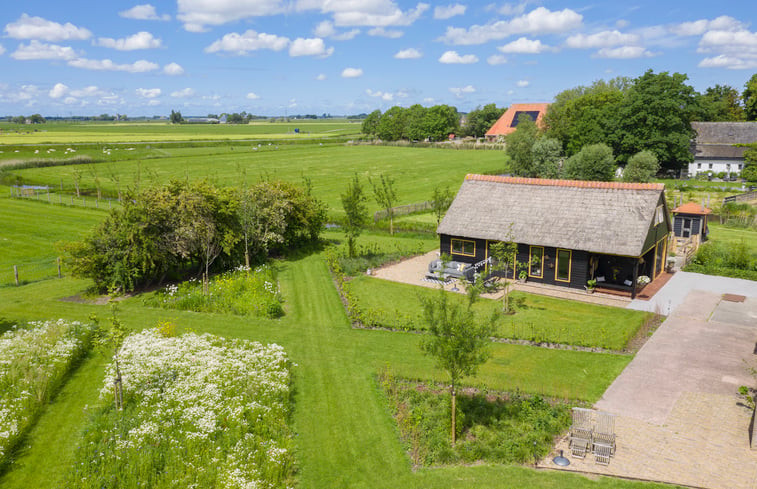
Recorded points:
(217, 409)
(33, 361)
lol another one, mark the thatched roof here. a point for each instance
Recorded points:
(717, 139)
(600, 217)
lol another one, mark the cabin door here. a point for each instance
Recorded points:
(686, 228)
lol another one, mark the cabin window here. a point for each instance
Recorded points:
(536, 261)
(563, 265)
(463, 247)
(659, 215)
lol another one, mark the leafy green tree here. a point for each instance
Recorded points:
(391, 127)
(440, 202)
(750, 98)
(415, 122)
(655, 114)
(19, 119)
(37, 119)
(546, 154)
(354, 204)
(481, 119)
(593, 162)
(641, 167)
(457, 340)
(504, 254)
(176, 117)
(749, 173)
(262, 213)
(718, 104)
(440, 122)
(386, 197)
(371, 122)
(518, 147)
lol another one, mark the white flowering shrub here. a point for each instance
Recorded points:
(243, 291)
(199, 411)
(33, 362)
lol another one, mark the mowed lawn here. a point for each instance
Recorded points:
(733, 235)
(536, 318)
(112, 132)
(417, 171)
(30, 232)
(345, 434)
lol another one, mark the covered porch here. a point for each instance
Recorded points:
(627, 275)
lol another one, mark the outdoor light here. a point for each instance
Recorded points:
(561, 461)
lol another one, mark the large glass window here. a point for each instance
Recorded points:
(463, 247)
(563, 265)
(536, 262)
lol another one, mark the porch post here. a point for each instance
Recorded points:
(635, 277)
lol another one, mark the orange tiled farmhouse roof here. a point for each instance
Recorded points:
(692, 208)
(503, 126)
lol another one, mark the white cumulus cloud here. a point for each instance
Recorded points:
(451, 57)
(27, 27)
(699, 27)
(460, 91)
(41, 50)
(496, 59)
(2, 49)
(321, 77)
(385, 96)
(601, 39)
(253, 96)
(183, 93)
(149, 92)
(388, 33)
(352, 72)
(524, 46)
(140, 66)
(248, 41)
(729, 62)
(58, 91)
(143, 12)
(523, 83)
(173, 69)
(90, 91)
(449, 11)
(538, 21)
(140, 40)
(410, 53)
(309, 47)
(624, 52)
(326, 29)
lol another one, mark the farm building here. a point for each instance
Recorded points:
(714, 149)
(567, 231)
(509, 120)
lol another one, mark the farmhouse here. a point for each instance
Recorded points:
(509, 120)
(714, 146)
(567, 231)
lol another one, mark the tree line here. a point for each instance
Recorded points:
(185, 228)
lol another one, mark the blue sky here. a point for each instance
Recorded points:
(272, 57)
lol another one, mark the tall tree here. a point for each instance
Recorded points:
(641, 167)
(457, 339)
(750, 98)
(440, 122)
(353, 202)
(546, 154)
(415, 122)
(440, 202)
(481, 119)
(386, 197)
(262, 213)
(176, 117)
(519, 144)
(371, 122)
(593, 162)
(719, 104)
(391, 127)
(655, 114)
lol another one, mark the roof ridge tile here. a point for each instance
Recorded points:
(565, 183)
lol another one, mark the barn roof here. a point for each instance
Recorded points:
(717, 139)
(506, 124)
(601, 217)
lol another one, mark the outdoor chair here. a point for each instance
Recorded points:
(580, 432)
(602, 454)
(604, 435)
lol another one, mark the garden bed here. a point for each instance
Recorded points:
(494, 428)
(199, 411)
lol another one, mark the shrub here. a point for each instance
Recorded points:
(641, 167)
(593, 162)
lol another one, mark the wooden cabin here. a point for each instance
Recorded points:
(689, 227)
(567, 231)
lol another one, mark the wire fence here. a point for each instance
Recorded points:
(44, 194)
(402, 210)
(32, 271)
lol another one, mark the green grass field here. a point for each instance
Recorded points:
(328, 167)
(114, 132)
(345, 434)
(732, 235)
(537, 318)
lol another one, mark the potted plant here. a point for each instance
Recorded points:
(591, 285)
(522, 276)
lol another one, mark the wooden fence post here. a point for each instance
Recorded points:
(59, 273)
(15, 273)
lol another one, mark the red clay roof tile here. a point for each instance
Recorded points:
(565, 183)
(692, 208)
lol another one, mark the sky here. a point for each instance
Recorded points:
(285, 57)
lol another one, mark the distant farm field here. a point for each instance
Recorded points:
(102, 132)
(417, 171)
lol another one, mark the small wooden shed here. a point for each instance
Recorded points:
(689, 226)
